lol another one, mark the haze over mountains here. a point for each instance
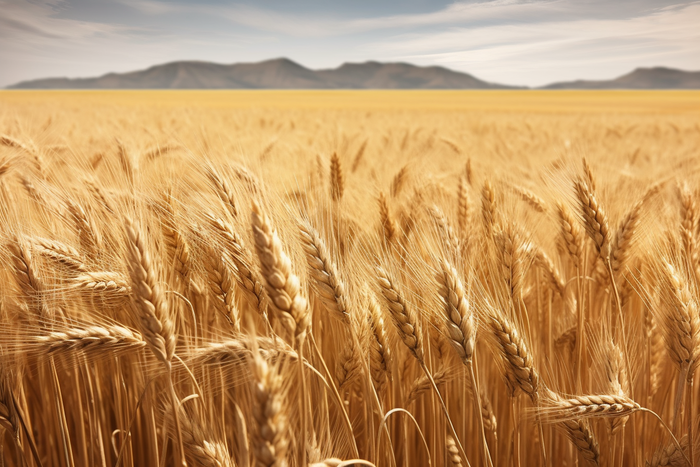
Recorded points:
(283, 73)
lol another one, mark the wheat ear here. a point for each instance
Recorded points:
(618, 381)
(249, 180)
(459, 317)
(488, 207)
(570, 234)
(202, 450)
(270, 440)
(60, 253)
(588, 174)
(379, 349)
(238, 351)
(468, 172)
(358, 157)
(453, 452)
(90, 240)
(598, 405)
(175, 242)
(531, 198)
(247, 275)
(337, 178)
(284, 289)
(25, 275)
(349, 366)
(519, 362)
(8, 412)
(670, 455)
(624, 236)
(283, 286)
(151, 312)
(582, 437)
(222, 189)
(128, 164)
(682, 321)
(401, 314)
(222, 286)
(92, 338)
(99, 194)
(690, 216)
(551, 273)
(445, 230)
(487, 414)
(512, 255)
(595, 220)
(462, 207)
(387, 222)
(108, 284)
(399, 181)
(423, 384)
(326, 279)
(461, 325)
(410, 332)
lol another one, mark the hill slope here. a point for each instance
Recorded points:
(641, 78)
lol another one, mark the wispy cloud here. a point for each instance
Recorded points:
(24, 20)
(459, 14)
(308, 24)
(540, 52)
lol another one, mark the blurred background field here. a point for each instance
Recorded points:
(566, 101)
(374, 132)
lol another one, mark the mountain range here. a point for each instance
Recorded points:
(283, 73)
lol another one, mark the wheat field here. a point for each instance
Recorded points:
(336, 278)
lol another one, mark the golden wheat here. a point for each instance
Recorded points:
(308, 284)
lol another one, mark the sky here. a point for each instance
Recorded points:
(519, 42)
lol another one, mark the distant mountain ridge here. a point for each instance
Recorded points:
(283, 73)
(279, 73)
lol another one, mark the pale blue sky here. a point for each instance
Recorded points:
(530, 42)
